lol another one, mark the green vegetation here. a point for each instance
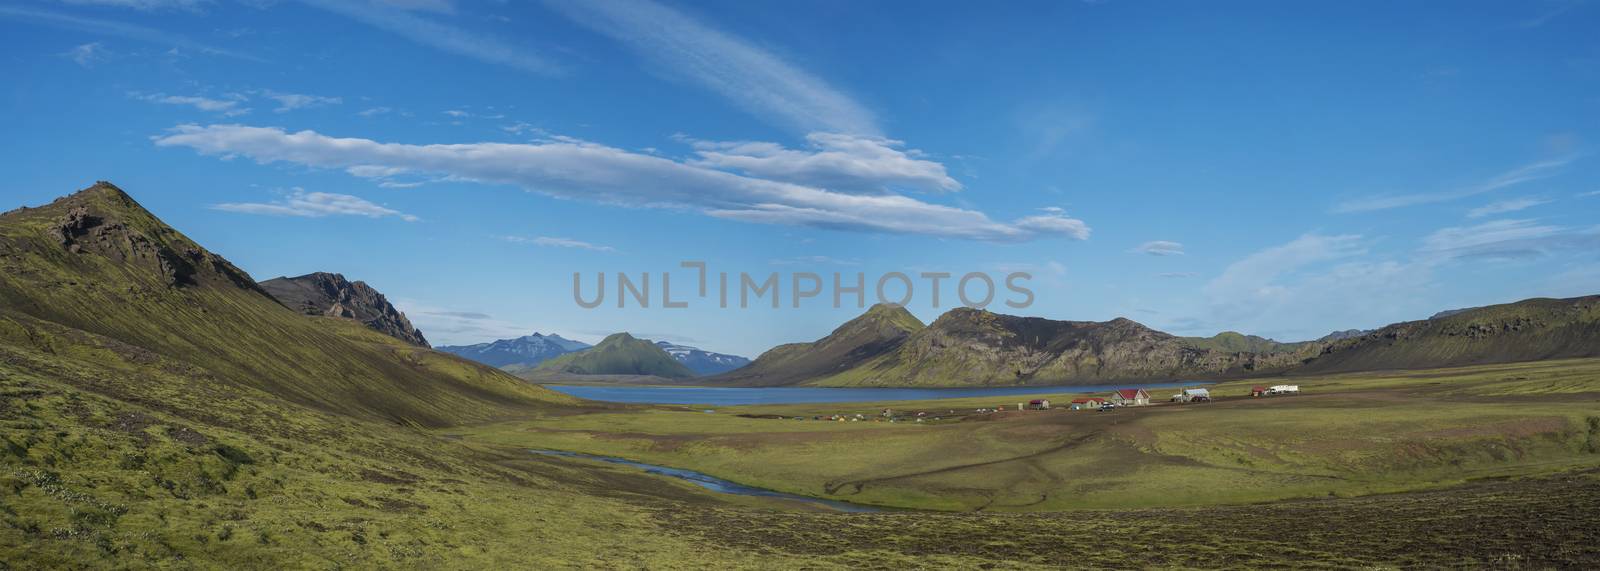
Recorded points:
(1235, 342)
(618, 354)
(157, 410)
(1349, 435)
(882, 329)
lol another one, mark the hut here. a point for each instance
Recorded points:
(1086, 403)
(1258, 391)
(1195, 395)
(1129, 397)
(1039, 404)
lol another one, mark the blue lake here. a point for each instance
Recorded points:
(709, 482)
(728, 396)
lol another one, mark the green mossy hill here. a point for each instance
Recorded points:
(98, 262)
(882, 329)
(1235, 342)
(1529, 330)
(619, 354)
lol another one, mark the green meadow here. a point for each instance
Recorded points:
(1344, 436)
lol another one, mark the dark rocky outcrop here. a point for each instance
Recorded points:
(332, 295)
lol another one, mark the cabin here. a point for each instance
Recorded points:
(1283, 390)
(1195, 395)
(1258, 391)
(1129, 397)
(1039, 404)
(1086, 404)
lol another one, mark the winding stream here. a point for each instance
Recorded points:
(712, 483)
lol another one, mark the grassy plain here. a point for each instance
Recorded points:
(1347, 435)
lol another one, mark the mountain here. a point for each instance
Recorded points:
(619, 354)
(522, 352)
(1346, 334)
(882, 329)
(331, 295)
(95, 269)
(702, 362)
(1528, 330)
(1235, 342)
(970, 347)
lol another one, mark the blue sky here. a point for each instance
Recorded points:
(1283, 169)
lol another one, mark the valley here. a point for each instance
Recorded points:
(159, 409)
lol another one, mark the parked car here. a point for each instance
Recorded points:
(1107, 406)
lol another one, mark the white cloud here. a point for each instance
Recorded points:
(1294, 290)
(1526, 173)
(573, 168)
(1505, 206)
(147, 5)
(834, 161)
(86, 55)
(1588, 194)
(292, 101)
(375, 111)
(751, 77)
(476, 45)
(315, 205)
(451, 326)
(115, 29)
(550, 242)
(1506, 239)
(229, 107)
(1160, 248)
(1177, 275)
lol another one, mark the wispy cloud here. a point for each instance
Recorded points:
(291, 101)
(147, 5)
(1176, 275)
(315, 205)
(753, 78)
(115, 29)
(1550, 11)
(551, 242)
(845, 163)
(230, 107)
(375, 111)
(1507, 240)
(1160, 248)
(86, 55)
(1587, 194)
(573, 168)
(476, 45)
(1505, 206)
(1526, 173)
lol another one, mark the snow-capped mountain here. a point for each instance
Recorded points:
(525, 351)
(702, 362)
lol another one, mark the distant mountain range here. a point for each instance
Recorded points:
(331, 295)
(619, 354)
(522, 352)
(887, 346)
(701, 361)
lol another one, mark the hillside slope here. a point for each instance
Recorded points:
(970, 347)
(878, 331)
(619, 354)
(331, 295)
(1529, 330)
(98, 262)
